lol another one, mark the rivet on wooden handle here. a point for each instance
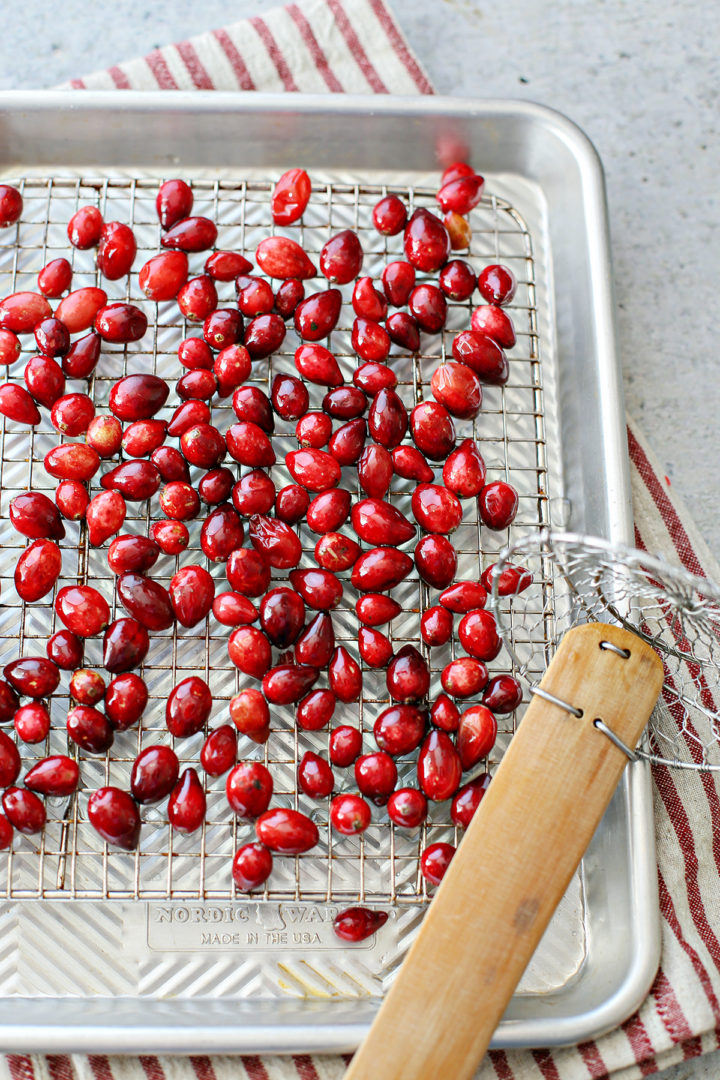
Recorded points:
(514, 863)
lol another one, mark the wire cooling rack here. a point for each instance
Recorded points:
(69, 860)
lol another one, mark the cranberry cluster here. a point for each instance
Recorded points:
(363, 424)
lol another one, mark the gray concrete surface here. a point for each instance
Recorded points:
(642, 79)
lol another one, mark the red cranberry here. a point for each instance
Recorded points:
(434, 862)
(464, 470)
(315, 776)
(219, 750)
(400, 729)
(375, 649)
(125, 700)
(404, 331)
(349, 814)
(290, 196)
(464, 677)
(116, 250)
(24, 810)
(281, 257)
(497, 284)
(457, 387)
(187, 803)
(390, 215)
(315, 711)
(56, 776)
(317, 316)
(288, 832)
(289, 397)
(491, 320)
(188, 707)
(249, 712)
(367, 302)
(154, 774)
(55, 277)
(85, 227)
(341, 257)
(439, 767)
(249, 788)
(428, 307)
(288, 296)
(358, 923)
(376, 776)
(436, 509)
(255, 297)
(498, 504)
(79, 309)
(376, 609)
(436, 626)
(445, 714)
(427, 243)
(318, 365)
(345, 745)
(408, 676)
(432, 430)
(251, 866)
(503, 694)
(191, 234)
(379, 569)
(87, 687)
(174, 202)
(407, 807)
(464, 596)
(467, 800)
(398, 279)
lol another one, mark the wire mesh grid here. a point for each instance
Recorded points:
(382, 865)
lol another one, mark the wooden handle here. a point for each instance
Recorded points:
(514, 863)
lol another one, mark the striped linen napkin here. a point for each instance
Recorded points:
(356, 46)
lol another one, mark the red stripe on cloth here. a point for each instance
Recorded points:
(20, 1066)
(667, 909)
(545, 1064)
(236, 61)
(319, 58)
(401, 50)
(640, 1044)
(77, 84)
(499, 1062)
(203, 1067)
(59, 1066)
(153, 1068)
(100, 1066)
(196, 69)
(254, 1068)
(274, 52)
(667, 511)
(119, 77)
(158, 65)
(592, 1060)
(670, 1010)
(305, 1068)
(692, 1048)
(353, 42)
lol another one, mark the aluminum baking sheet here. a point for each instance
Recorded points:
(165, 925)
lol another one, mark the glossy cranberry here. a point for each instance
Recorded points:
(461, 194)
(358, 923)
(192, 591)
(9, 699)
(445, 714)
(387, 419)
(464, 677)
(82, 609)
(491, 320)
(380, 569)
(380, 523)
(174, 202)
(34, 515)
(276, 541)
(72, 413)
(249, 712)
(350, 814)
(403, 330)
(138, 397)
(255, 297)
(121, 323)
(55, 776)
(216, 486)
(191, 234)
(291, 504)
(316, 643)
(410, 464)
(252, 865)
(11, 205)
(345, 745)
(317, 316)
(89, 729)
(72, 462)
(64, 649)
(436, 561)
(464, 470)
(367, 302)
(22, 311)
(458, 389)
(6, 833)
(9, 761)
(16, 404)
(187, 804)
(288, 296)
(336, 552)
(408, 676)
(264, 335)
(467, 800)
(52, 337)
(125, 646)
(439, 767)
(376, 776)
(476, 735)
(289, 397)
(503, 694)
(198, 298)
(315, 711)
(162, 276)
(85, 227)
(455, 171)
(428, 307)
(233, 609)
(87, 687)
(398, 279)
(341, 257)
(483, 355)
(370, 340)
(347, 443)
(375, 471)
(315, 470)
(105, 516)
(154, 774)
(132, 553)
(375, 649)
(253, 406)
(290, 197)
(170, 464)
(329, 510)
(426, 241)
(24, 810)
(197, 384)
(188, 707)
(436, 626)
(407, 808)
(464, 596)
(125, 700)
(280, 257)
(315, 777)
(287, 683)
(512, 580)
(372, 377)
(226, 265)
(77, 312)
(55, 278)
(116, 250)
(432, 430)
(145, 600)
(436, 509)
(457, 280)
(248, 572)
(254, 493)
(249, 788)
(37, 570)
(195, 354)
(104, 435)
(249, 445)
(318, 365)
(72, 499)
(288, 832)
(320, 589)
(376, 609)
(390, 215)
(313, 430)
(10, 348)
(250, 651)
(497, 284)
(498, 504)
(400, 729)
(434, 862)
(222, 532)
(179, 501)
(142, 437)
(219, 750)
